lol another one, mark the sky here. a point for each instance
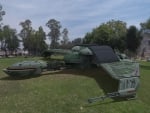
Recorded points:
(78, 16)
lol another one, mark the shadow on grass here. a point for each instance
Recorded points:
(145, 67)
(105, 82)
(19, 78)
(105, 102)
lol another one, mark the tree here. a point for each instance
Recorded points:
(65, 36)
(10, 40)
(65, 43)
(5, 38)
(54, 33)
(13, 42)
(88, 38)
(33, 41)
(2, 13)
(1, 37)
(26, 33)
(133, 39)
(145, 25)
(40, 44)
(112, 33)
(77, 41)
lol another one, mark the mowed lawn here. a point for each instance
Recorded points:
(67, 91)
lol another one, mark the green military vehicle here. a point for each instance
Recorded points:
(25, 68)
(126, 72)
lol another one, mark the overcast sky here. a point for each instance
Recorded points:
(78, 16)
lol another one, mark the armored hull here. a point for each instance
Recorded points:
(125, 72)
(127, 75)
(26, 68)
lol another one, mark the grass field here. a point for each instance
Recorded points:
(67, 91)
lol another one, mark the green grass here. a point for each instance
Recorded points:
(67, 92)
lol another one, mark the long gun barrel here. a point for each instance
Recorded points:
(102, 98)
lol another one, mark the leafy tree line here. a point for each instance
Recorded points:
(113, 33)
(8, 36)
(8, 39)
(33, 40)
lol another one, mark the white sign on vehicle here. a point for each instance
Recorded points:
(128, 83)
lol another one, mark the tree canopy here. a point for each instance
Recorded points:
(2, 13)
(65, 38)
(10, 40)
(33, 41)
(133, 39)
(26, 34)
(145, 25)
(111, 33)
(54, 33)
